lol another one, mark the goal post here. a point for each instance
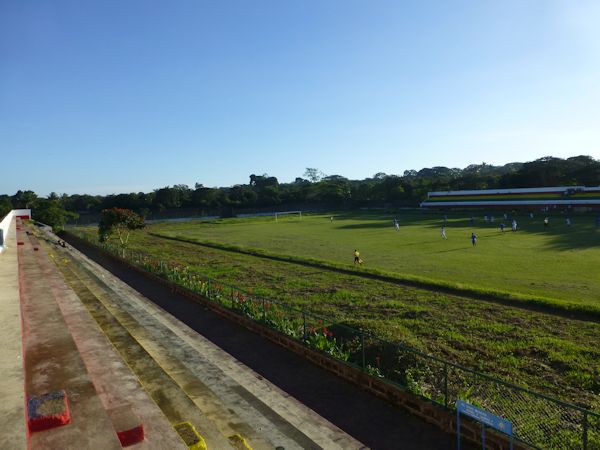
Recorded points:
(287, 213)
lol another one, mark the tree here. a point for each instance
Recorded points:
(5, 206)
(205, 197)
(48, 211)
(264, 180)
(242, 195)
(314, 175)
(174, 197)
(81, 203)
(582, 170)
(333, 189)
(268, 196)
(119, 221)
(24, 199)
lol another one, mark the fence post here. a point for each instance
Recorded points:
(303, 325)
(585, 430)
(362, 349)
(232, 302)
(264, 311)
(446, 384)
(208, 288)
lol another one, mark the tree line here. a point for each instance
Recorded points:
(314, 190)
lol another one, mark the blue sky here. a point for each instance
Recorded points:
(115, 96)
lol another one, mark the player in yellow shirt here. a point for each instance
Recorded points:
(357, 257)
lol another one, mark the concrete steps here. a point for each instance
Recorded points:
(52, 363)
(173, 401)
(125, 401)
(171, 357)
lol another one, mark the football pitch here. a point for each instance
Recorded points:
(561, 262)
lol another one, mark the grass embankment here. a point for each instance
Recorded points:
(589, 311)
(547, 353)
(558, 267)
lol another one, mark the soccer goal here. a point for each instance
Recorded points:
(281, 214)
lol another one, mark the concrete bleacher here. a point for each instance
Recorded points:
(125, 402)
(51, 345)
(53, 362)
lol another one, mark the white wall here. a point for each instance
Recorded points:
(5, 224)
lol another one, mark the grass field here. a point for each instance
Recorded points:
(561, 263)
(545, 352)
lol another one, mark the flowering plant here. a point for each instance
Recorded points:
(322, 339)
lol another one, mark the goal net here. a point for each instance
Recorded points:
(288, 215)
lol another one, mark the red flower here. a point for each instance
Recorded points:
(330, 334)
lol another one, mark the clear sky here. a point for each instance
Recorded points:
(112, 96)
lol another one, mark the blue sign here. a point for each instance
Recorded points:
(485, 418)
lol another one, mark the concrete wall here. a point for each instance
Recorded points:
(5, 224)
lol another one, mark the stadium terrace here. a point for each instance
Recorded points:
(562, 196)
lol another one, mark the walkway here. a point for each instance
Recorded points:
(12, 402)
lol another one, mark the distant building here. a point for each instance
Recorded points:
(551, 197)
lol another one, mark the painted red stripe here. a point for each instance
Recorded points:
(133, 436)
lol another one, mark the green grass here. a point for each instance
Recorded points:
(561, 264)
(544, 352)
